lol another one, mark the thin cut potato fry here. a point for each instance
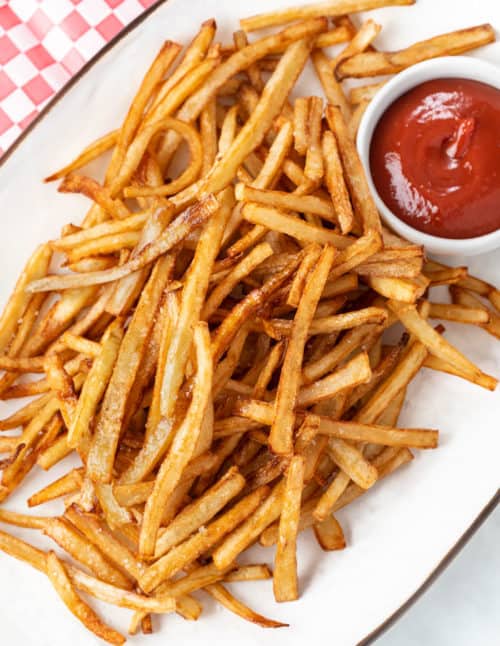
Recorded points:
(360, 42)
(379, 63)
(464, 298)
(190, 219)
(436, 344)
(329, 534)
(331, 8)
(286, 201)
(285, 568)
(242, 269)
(283, 223)
(335, 182)
(62, 583)
(458, 313)
(36, 267)
(64, 485)
(249, 573)
(185, 553)
(91, 152)
(332, 88)
(199, 512)
(93, 190)
(280, 437)
(354, 174)
(104, 442)
(223, 596)
(183, 444)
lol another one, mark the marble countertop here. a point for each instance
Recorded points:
(463, 606)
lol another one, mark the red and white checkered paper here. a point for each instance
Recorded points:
(43, 43)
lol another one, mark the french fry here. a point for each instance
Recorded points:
(185, 553)
(334, 177)
(246, 534)
(285, 583)
(199, 512)
(332, 88)
(284, 223)
(442, 349)
(36, 267)
(464, 298)
(63, 486)
(354, 174)
(331, 8)
(91, 152)
(64, 588)
(379, 63)
(329, 534)
(286, 201)
(280, 437)
(360, 41)
(93, 190)
(183, 444)
(223, 596)
(179, 229)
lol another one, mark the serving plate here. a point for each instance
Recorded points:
(403, 531)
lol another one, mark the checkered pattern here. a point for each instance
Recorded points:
(43, 43)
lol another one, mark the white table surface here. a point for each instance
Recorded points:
(462, 607)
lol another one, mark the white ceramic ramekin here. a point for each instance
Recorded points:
(444, 67)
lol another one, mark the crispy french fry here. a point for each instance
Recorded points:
(280, 438)
(378, 63)
(62, 583)
(328, 8)
(285, 582)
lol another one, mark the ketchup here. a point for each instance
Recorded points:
(435, 158)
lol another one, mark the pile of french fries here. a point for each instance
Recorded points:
(214, 351)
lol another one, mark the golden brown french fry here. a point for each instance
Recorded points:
(249, 573)
(183, 443)
(192, 517)
(378, 63)
(91, 152)
(283, 223)
(94, 191)
(23, 551)
(193, 217)
(95, 384)
(185, 553)
(335, 181)
(246, 534)
(314, 168)
(223, 596)
(458, 313)
(286, 201)
(436, 344)
(285, 583)
(462, 297)
(268, 107)
(363, 203)
(64, 485)
(62, 584)
(331, 8)
(331, 87)
(360, 41)
(35, 268)
(84, 552)
(280, 437)
(364, 92)
(329, 534)
(109, 425)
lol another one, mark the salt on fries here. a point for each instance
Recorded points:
(215, 355)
